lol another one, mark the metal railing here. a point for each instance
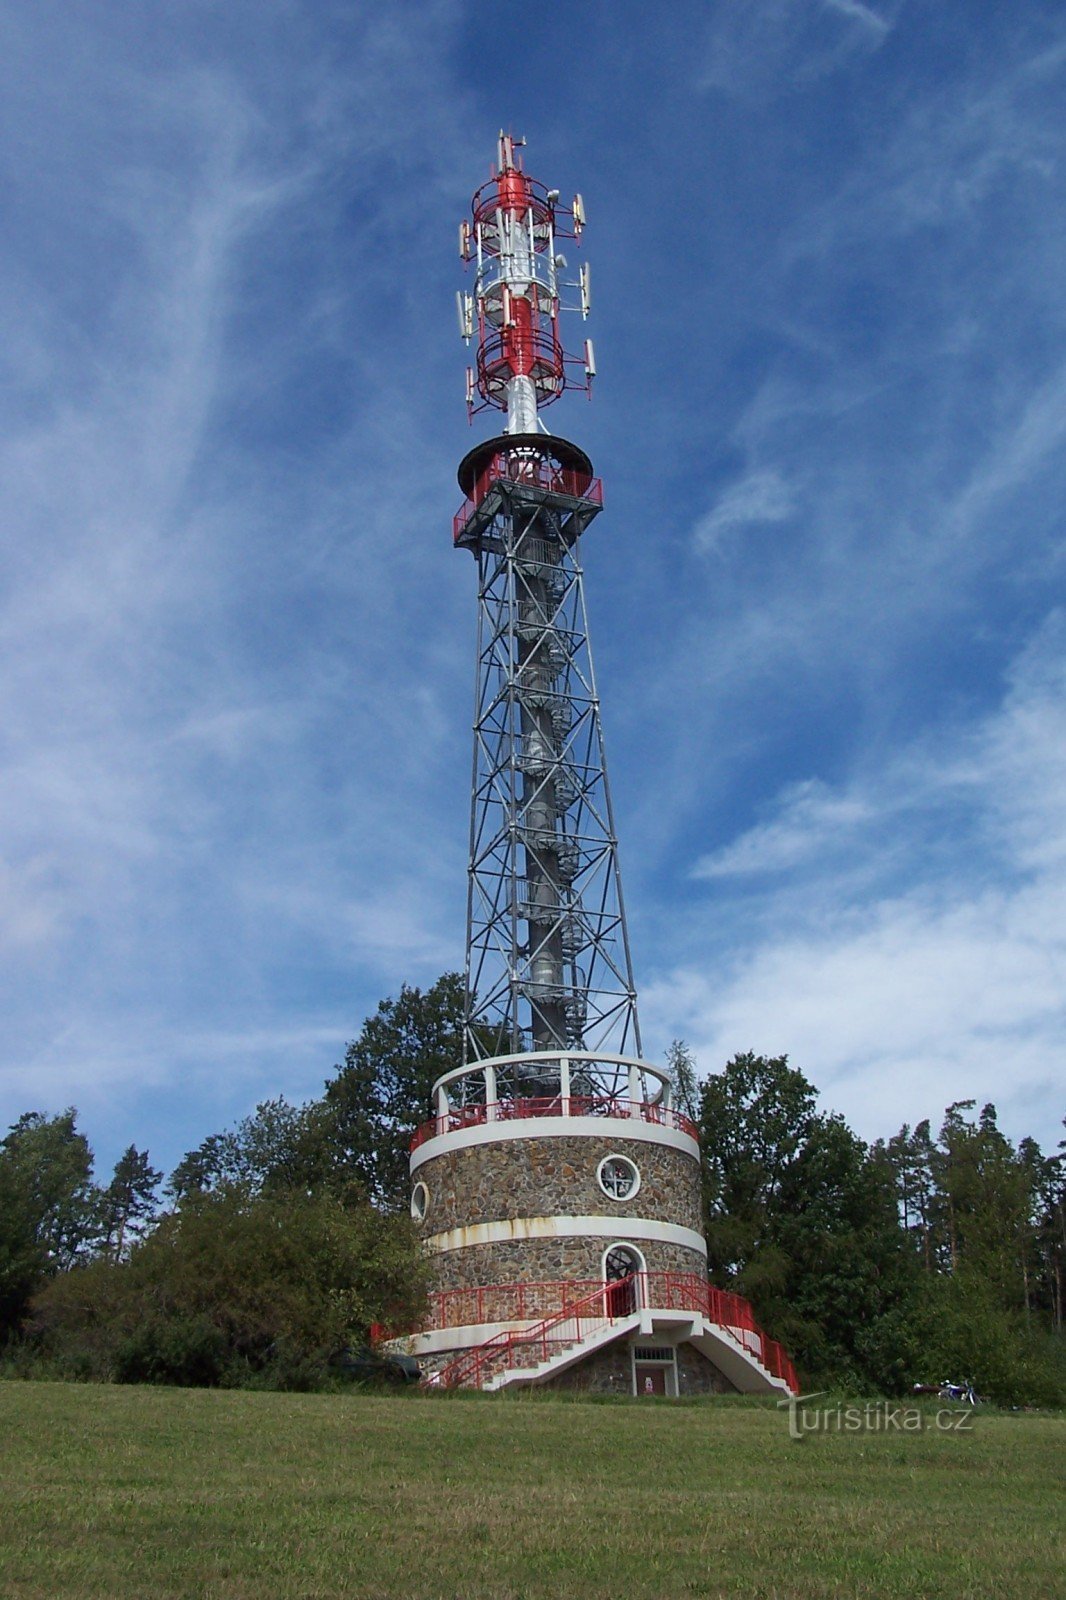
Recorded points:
(506, 1302)
(583, 1309)
(458, 1117)
(527, 1347)
(534, 471)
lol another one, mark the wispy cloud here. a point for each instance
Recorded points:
(947, 975)
(758, 497)
(220, 768)
(237, 649)
(811, 822)
(771, 46)
(855, 11)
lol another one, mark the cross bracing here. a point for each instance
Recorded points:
(548, 961)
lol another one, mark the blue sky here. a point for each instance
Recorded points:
(827, 240)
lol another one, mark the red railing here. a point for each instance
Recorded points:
(687, 1291)
(576, 1106)
(527, 1347)
(506, 1302)
(582, 1308)
(536, 470)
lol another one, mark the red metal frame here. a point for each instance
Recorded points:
(576, 1106)
(526, 1347)
(513, 190)
(527, 343)
(654, 1291)
(536, 469)
(520, 348)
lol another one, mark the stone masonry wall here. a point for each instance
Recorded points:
(546, 1260)
(698, 1375)
(556, 1176)
(610, 1371)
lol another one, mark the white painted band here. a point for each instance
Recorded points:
(609, 1128)
(515, 1229)
(462, 1337)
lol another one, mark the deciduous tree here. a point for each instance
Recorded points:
(382, 1093)
(49, 1206)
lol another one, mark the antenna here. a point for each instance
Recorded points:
(548, 965)
(513, 314)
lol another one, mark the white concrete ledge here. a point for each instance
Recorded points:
(609, 1128)
(515, 1229)
(464, 1337)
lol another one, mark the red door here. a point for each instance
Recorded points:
(621, 1298)
(650, 1380)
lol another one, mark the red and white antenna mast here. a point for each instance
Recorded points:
(514, 309)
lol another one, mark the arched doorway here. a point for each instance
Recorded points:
(621, 1263)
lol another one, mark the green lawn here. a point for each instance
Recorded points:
(123, 1492)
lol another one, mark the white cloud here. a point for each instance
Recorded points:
(761, 496)
(943, 161)
(764, 47)
(1025, 446)
(855, 11)
(811, 820)
(949, 981)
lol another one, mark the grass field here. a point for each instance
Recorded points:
(124, 1492)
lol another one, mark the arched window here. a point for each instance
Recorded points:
(621, 1266)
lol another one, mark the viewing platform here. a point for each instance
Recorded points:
(579, 1086)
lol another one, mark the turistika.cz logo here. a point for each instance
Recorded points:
(879, 1416)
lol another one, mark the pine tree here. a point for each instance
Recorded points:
(129, 1202)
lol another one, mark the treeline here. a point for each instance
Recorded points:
(272, 1244)
(915, 1259)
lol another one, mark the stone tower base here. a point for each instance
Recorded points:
(625, 1367)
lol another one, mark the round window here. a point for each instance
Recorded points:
(619, 1178)
(419, 1201)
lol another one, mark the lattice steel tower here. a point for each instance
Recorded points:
(548, 963)
(556, 1187)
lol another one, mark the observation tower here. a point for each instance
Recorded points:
(556, 1187)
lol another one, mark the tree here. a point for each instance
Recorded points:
(49, 1206)
(279, 1148)
(1051, 1233)
(754, 1117)
(911, 1158)
(684, 1079)
(990, 1199)
(382, 1093)
(801, 1217)
(231, 1288)
(129, 1202)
